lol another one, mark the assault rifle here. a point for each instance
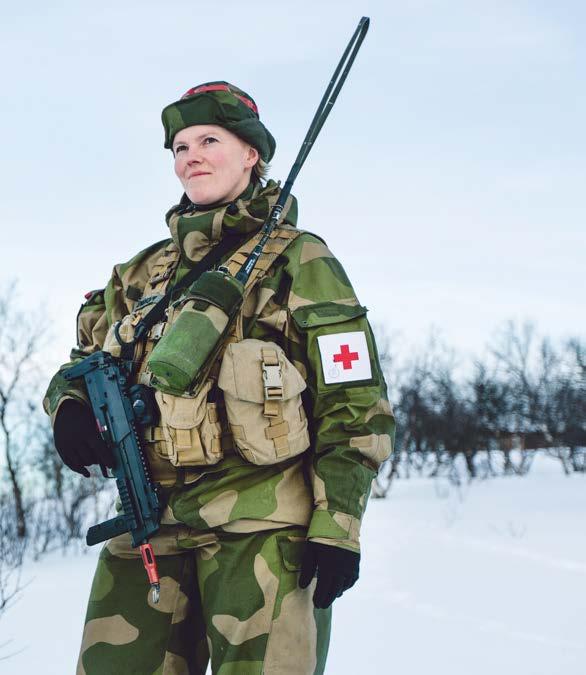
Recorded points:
(117, 414)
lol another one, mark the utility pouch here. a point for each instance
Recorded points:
(200, 320)
(190, 429)
(262, 391)
(126, 326)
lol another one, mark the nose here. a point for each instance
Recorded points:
(193, 155)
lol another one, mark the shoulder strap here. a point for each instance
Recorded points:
(280, 238)
(207, 262)
(278, 241)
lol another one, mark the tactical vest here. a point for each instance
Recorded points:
(194, 429)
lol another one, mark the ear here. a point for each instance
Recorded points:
(251, 157)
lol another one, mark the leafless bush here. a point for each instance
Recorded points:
(12, 548)
(43, 505)
(65, 502)
(525, 396)
(20, 338)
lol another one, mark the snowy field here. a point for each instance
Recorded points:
(485, 579)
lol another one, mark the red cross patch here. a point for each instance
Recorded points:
(344, 357)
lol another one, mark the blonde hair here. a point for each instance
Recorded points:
(260, 171)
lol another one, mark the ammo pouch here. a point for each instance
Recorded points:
(190, 429)
(262, 391)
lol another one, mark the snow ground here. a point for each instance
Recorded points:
(485, 579)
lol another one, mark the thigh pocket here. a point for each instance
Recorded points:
(291, 549)
(262, 390)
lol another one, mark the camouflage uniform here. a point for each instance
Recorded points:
(236, 521)
(232, 533)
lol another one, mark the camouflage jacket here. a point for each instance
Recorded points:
(306, 305)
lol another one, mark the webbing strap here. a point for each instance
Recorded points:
(226, 244)
(280, 239)
(277, 431)
(163, 270)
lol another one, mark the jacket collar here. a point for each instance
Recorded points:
(195, 230)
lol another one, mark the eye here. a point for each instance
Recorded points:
(208, 140)
(179, 148)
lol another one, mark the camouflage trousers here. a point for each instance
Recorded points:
(231, 598)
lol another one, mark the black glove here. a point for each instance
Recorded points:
(337, 570)
(77, 439)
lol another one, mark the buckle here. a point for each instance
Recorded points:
(157, 331)
(148, 300)
(273, 382)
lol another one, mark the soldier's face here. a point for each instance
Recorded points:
(212, 163)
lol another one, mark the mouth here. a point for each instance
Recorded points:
(195, 174)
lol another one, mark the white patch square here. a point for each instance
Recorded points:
(344, 357)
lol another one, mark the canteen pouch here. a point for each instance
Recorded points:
(182, 356)
(262, 392)
(190, 428)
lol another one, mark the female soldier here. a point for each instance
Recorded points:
(266, 465)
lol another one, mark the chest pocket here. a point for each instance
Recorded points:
(262, 392)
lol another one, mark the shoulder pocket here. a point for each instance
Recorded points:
(89, 313)
(340, 345)
(325, 314)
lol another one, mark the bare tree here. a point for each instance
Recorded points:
(66, 503)
(565, 406)
(577, 350)
(527, 395)
(20, 338)
(515, 353)
(387, 357)
(12, 548)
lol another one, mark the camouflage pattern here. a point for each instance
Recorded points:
(223, 104)
(177, 360)
(303, 295)
(233, 598)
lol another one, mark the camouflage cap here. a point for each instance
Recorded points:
(223, 104)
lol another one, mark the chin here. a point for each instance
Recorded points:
(204, 196)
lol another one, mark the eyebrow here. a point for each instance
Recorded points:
(197, 138)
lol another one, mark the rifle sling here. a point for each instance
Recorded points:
(229, 243)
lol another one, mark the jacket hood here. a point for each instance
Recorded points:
(194, 230)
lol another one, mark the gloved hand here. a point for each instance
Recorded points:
(337, 570)
(77, 439)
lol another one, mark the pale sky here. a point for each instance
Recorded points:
(448, 179)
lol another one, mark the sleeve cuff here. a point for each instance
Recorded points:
(73, 395)
(335, 528)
